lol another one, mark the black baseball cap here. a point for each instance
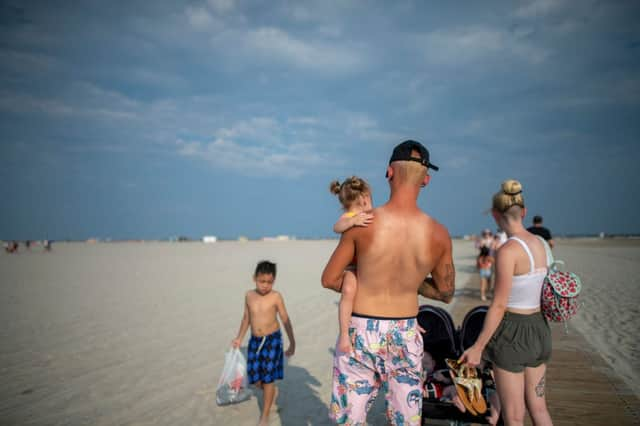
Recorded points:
(402, 152)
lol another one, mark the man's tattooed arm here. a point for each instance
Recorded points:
(440, 288)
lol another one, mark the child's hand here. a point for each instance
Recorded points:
(362, 219)
(235, 343)
(290, 351)
(344, 344)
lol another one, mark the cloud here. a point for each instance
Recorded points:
(466, 45)
(199, 18)
(365, 128)
(27, 104)
(279, 44)
(291, 161)
(538, 8)
(621, 90)
(22, 62)
(259, 146)
(264, 129)
(222, 6)
(276, 46)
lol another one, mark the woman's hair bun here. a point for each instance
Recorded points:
(510, 195)
(511, 187)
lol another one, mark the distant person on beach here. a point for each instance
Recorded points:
(538, 229)
(265, 363)
(484, 263)
(485, 240)
(396, 251)
(499, 238)
(355, 197)
(515, 336)
(12, 247)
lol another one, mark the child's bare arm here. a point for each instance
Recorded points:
(244, 325)
(286, 322)
(347, 222)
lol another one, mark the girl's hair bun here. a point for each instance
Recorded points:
(334, 187)
(355, 183)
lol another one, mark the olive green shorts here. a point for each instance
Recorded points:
(520, 341)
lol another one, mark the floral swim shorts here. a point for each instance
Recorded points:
(387, 353)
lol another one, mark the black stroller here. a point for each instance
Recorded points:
(443, 340)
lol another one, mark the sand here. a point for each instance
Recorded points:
(609, 318)
(135, 333)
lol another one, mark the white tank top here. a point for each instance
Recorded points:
(526, 289)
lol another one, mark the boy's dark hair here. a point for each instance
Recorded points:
(537, 219)
(484, 251)
(265, 267)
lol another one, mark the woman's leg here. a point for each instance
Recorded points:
(349, 288)
(535, 387)
(510, 388)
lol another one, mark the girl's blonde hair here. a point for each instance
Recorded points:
(349, 190)
(510, 195)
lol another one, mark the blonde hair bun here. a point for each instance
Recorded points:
(511, 187)
(510, 195)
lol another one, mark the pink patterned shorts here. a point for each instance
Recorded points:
(387, 353)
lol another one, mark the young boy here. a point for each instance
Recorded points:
(264, 353)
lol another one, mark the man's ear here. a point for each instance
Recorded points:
(524, 212)
(426, 180)
(389, 174)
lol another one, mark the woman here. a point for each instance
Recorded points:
(515, 336)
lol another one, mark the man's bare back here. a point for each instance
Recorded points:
(395, 254)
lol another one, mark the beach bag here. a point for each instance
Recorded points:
(560, 291)
(233, 386)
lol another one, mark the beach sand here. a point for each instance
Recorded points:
(135, 333)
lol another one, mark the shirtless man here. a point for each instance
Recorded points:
(395, 253)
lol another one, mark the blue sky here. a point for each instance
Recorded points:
(154, 119)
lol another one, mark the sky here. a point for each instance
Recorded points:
(150, 120)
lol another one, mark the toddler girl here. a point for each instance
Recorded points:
(355, 196)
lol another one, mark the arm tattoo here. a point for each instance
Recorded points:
(540, 387)
(443, 290)
(448, 282)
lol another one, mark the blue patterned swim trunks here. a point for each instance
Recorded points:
(265, 359)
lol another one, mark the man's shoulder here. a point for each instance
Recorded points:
(541, 231)
(437, 229)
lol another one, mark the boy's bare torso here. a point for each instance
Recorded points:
(263, 310)
(395, 254)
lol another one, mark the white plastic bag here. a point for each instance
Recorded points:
(233, 386)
